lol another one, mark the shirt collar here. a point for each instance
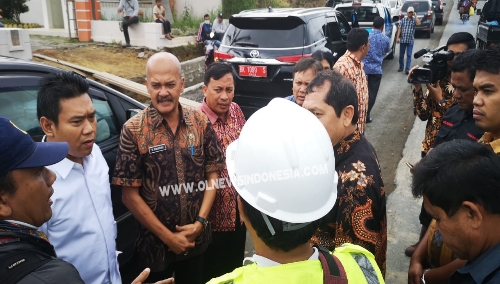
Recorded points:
(484, 265)
(262, 261)
(487, 139)
(22, 224)
(64, 167)
(157, 119)
(346, 145)
(208, 112)
(350, 55)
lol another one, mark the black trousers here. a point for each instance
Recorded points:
(166, 26)
(187, 271)
(225, 253)
(373, 86)
(127, 21)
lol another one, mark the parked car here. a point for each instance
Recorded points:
(366, 12)
(425, 13)
(395, 7)
(438, 10)
(18, 97)
(263, 46)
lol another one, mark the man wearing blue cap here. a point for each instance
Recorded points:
(25, 191)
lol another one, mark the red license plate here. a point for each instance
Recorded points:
(253, 71)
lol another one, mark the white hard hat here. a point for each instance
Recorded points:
(283, 163)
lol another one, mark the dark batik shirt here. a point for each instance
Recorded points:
(484, 270)
(458, 124)
(428, 109)
(170, 173)
(359, 214)
(224, 209)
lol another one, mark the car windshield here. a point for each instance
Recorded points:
(265, 32)
(418, 6)
(364, 14)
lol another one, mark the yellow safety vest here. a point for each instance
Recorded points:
(359, 265)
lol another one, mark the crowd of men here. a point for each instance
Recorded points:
(318, 216)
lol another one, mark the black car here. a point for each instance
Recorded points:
(18, 93)
(425, 13)
(438, 10)
(263, 46)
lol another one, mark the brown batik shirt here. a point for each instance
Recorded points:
(359, 214)
(428, 109)
(224, 210)
(170, 173)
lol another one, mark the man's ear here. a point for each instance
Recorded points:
(5, 209)
(204, 88)
(48, 126)
(347, 115)
(474, 214)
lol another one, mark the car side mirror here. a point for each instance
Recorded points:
(131, 112)
(395, 19)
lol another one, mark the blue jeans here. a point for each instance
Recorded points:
(408, 47)
(215, 42)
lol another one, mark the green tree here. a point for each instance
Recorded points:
(12, 9)
(230, 7)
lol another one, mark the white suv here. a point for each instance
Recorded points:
(366, 12)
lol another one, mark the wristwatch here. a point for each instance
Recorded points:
(203, 221)
(423, 276)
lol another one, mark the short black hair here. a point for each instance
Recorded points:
(206, 15)
(306, 63)
(457, 171)
(489, 60)
(378, 22)
(216, 70)
(356, 38)
(342, 92)
(56, 87)
(464, 62)
(7, 185)
(462, 37)
(319, 55)
(281, 240)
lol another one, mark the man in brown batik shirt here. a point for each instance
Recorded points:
(167, 162)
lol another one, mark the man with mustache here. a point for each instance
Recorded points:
(82, 228)
(166, 154)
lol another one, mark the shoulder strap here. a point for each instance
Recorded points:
(15, 265)
(333, 270)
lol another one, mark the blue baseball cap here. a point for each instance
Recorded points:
(19, 151)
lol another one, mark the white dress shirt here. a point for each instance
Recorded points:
(82, 228)
(262, 261)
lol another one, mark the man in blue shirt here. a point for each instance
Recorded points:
(131, 10)
(405, 36)
(379, 46)
(303, 73)
(459, 183)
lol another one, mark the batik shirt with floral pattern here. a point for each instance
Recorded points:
(359, 214)
(224, 209)
(170, 171)
(352, 68)
(428, 109)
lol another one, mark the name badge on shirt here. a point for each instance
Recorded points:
(157, 148)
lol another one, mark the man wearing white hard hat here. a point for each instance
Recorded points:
(359, 216)
(283, 168)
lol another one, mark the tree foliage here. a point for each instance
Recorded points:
(12, 9)
(230, 7)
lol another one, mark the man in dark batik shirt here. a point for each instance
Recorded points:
(168, 159)
(359, 214)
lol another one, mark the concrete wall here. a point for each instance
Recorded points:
(34, 15)
(199, 8)
(141, 34)
(15, 43)
(193, 71)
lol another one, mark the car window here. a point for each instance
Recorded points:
(364, 14)
(421, 6)
(18, 99)
(344, 26)
(265, 33)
